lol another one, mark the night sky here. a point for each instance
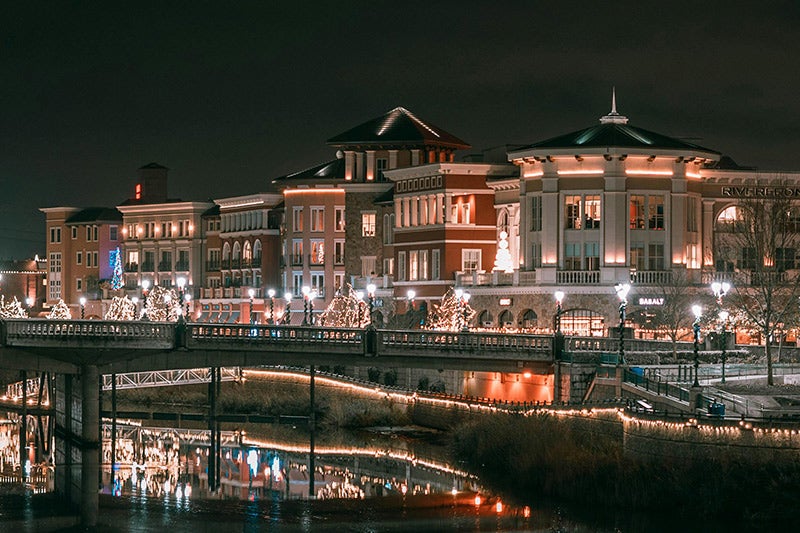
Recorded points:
(230, 95)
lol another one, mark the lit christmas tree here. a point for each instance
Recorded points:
(502, 260)
(450, 314)
(346, 310)
(121, 308)
(12, 308)
(59, 311)
(163, 305)
(115, 260)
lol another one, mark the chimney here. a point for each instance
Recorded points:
(152, 185)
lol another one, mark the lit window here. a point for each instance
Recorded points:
(367, 224)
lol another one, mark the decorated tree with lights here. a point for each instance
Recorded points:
(121, 308)
(116, 266)
(163, 305)
(346, 310)
(502, 260)
(12, 309)
(450, 314)
(59, 311)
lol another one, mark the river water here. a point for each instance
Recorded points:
(381, 480)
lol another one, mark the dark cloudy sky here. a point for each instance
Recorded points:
(232, 94)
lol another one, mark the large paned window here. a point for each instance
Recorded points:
(655, 256)
(655, 205)
(297, 219)
(435, 263)
(401, 266)
(413, 265)
(317, 219)
(367, 224)
(638, 259)
(591, 212)
(470, 260)
(636, 212)
(317, 252)
(423, 264)
(572, 211)
(572, 256)
(338, 219)
(536, 213)
(592, 254)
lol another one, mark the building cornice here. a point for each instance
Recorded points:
(460, 169)
(250, 200)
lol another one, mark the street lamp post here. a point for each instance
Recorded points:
(186, 299)
(83, 307)
(311, 296)
(371, 295)
(306, 291)
(251, 293)
(411, 295)
(559, 295)
(464, 309)
(135, 301)
(622, 293)
(720, 290)
(698, 312)
(360, 300)
(723, 318)
(459, 303)
(287, 312)
(271, 294)
(145, 291)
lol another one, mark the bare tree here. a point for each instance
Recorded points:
(761, 241)
(669, 304)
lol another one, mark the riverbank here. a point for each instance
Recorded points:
(582, 461)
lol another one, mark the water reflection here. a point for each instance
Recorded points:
(173, 463)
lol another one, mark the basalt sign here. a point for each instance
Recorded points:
(761, 192)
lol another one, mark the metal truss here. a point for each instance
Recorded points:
(164, 378)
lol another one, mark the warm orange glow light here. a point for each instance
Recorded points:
(527, 374)
(577, 172)
(477, 500)
(499, 507)
(648, 172)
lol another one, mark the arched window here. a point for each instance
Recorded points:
(528, 319)
(236, 251)
(729, 219)
(485, 319)
(257, 250)
(502, 222)
(506, 319)
(226, 251)
(583, 322)
(247, 251)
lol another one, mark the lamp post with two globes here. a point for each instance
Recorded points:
(622, 293)
(698, 313)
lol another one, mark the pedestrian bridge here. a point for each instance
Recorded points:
(116, 347)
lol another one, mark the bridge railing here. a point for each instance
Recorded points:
(656, 387)
(447, 340)
(203, 334)
(611, 344)
(61, 333)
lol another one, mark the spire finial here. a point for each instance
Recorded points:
(613, 117)
(614, 100)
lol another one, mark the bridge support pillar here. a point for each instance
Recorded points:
(90, 452)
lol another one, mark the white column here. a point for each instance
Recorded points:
(414, 157)
(406, 209)
(359, 166)
(349, 165)
(398, 222)
(370, 170)
(439, 208)
(432, 219)
(392, 159)
(708, 233)
(448, 201)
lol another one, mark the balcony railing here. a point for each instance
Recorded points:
(744, 278)
(338, 259)
(651, 277)
(317, 259)
(165, 266)
(148, 267)
(212, 266)
(131, 267)
(182, 266)
(296, 259)
(578, 277)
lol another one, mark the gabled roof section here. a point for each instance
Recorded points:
(397, 127)
(95, 214)
(324, 173)
(617, 134)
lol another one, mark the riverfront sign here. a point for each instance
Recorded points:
(761, 192)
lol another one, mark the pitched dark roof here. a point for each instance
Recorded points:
(617, 135)
(332, 170)
(95, 214)
(397, 127)
(153, 165)
(211, 212)
(385, 197)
